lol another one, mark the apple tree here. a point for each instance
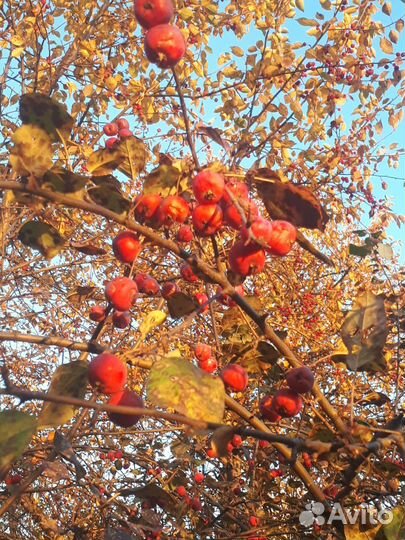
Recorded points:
(201, 315)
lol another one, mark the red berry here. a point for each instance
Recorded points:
(287, 403)
(207, 219)
(164, 45)
(181, 491)
(173, 208)
(169, 289)
(208, 187)
(246, 259)
(235, 377)
(126, 246)
(126, 398)
(199, 478)
(110, 129)
(253, 521)
(107, 373)
(150, 13)
(149, 286)
(300, 379)
(97, 314)
(282, 239)
(202, 299)
(125, 133)
(111, 143)
(237, 441)
(202, 352)
(122, 293)
(185, 234)
(267, 411)
(209, 366)
(146, 207)
(187, 273)
(121, 319)
(122, 123)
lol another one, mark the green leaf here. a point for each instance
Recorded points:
(16, 430)
(48, 114)
(152, 320)
(42, 237)
(360, 251)
(395, 530)
(364, 331)
(110, 198)
(32, 152)
(135, 155)
(102, 162)
(181, 304)
(164, 181)
(66, 182)
(68, 380)
(178, 384)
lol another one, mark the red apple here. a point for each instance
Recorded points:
(181, 491)
(267, 411)
(207, 219)
(150, 13)
(208, 187)
(110, 129)
(209, 366)
(140, 280)
(246, 259)
(124, 133)
(226, 300)
(164, 45)
(107, 373)
(235, 377)
(127, 246)
(122, 123)
(150, 286)
(287, 403)
(187, 273)
(253, 521)
(202, 352)
(146, 207)
(122, 293)
(173, 208)
(300, 379)
(260, 231)
(169, 289)
(202, 299)
(235, 190)
(111, 143)
(233, 216)
(97, 313)
(121, 319)
(125, 398)
(237, 441)
(185, 234)
(282, 239)
(199, 478)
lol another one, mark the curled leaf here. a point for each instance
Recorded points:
(176, 383)
(42, 237)
(152, 320)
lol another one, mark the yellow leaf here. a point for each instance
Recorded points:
(387, 8)
(152, 320)
(198, 69)
(394, 36)
(386, 46)
(16, 53)
(17, 41)
(300, 4)
(186, 14)
(237, 51)
(307, 22)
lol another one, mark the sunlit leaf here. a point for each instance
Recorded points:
(32, 151)
(47, 113)
(102, 162)
(152, 320)
(41, 237)
(135, 154)
(178, 384)
(395, 530)
(16, 430)
(68, 380)
(164, 181)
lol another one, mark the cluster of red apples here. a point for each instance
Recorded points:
(108, 374)
(116, 131)
(164, 43)
(287, 402)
